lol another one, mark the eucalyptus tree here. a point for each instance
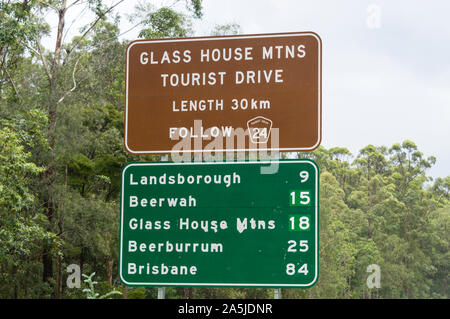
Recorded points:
(62, 67)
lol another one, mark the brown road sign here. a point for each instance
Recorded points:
(228, 93)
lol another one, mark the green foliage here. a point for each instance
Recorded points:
(165, 23)
(15, 172)
(90, 290)
(137, 293)
(196, 7)
(18, 22)
(21, 228)
(227, 29)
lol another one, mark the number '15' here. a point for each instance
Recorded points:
(300, 198)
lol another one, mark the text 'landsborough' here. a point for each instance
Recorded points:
(200, 89)
(185, 224)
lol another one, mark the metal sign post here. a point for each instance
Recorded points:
(277, 293)
(161, 292)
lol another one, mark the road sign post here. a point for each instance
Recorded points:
(219, 224)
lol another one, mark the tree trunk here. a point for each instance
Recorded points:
(47, 260)
(47, 263)
(59, 279)
(109, 271)
(81, 259)
(188, 293)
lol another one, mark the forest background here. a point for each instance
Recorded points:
(61, 154)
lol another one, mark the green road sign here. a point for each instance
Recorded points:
(219, 224)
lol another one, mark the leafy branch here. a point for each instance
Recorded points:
(90, 292)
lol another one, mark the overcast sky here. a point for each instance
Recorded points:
(386, 77)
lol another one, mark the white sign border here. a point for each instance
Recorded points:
(316, 256)
(300, 34)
